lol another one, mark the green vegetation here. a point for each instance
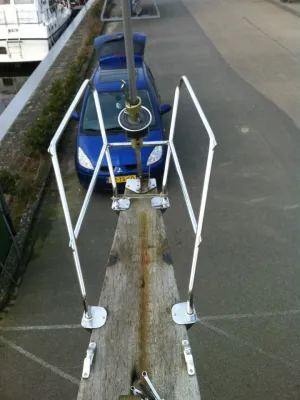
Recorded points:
(9, 181)
(25, 182)
(38, 137)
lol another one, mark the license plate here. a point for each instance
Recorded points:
(122, 179)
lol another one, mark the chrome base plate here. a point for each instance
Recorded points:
(99, 315)
(135, 185)
(120, 204)
(181, 317)
(160, 203)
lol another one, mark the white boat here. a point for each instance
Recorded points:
(29, 28)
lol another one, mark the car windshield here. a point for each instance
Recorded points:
(111, 105)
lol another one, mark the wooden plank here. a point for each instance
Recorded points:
(138, 292)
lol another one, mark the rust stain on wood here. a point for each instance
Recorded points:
(145, 293)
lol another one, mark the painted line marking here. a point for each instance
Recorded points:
(249, 344)
(204, 318)
(250, 315)
(38, 327)
(40, 361)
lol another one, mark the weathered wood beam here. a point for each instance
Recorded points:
(138, 292)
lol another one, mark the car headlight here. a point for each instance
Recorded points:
(84, 160)
(155, 155)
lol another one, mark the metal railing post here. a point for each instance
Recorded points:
(118, 204)
(171, 136)
(185, 313)
(71, 233)
(93, 317)
(190, 306)
(89, 192)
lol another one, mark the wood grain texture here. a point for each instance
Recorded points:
(138, 292)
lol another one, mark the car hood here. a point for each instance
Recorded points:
(92, 145)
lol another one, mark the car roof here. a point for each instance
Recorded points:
(108, 79)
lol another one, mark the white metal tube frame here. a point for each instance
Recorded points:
(93, 317)
(185, 313)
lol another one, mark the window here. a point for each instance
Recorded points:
(117, 46)
(23, 1)
(7, 81)
(3, 50)
(52, 5)
(111, 105)
(113, 75)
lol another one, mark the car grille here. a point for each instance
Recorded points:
(128, 167)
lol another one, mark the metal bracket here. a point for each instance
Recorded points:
(161, 203)
(150, 384)
(136, 186)
(136, 391)
(187, 351)
(120, 204)
(88, 360)
(181, 317)
(97, 319)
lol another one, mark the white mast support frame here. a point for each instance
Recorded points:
(93, 317)
(183, 313)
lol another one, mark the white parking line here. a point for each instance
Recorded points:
(250, 315)
(38, 360)
(250, 345)
(38, 327)
(204, 318)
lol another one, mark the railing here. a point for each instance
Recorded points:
(183, 313)
(90, 315)
(29, 16)
(17, 17)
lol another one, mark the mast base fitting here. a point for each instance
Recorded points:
(135, 129)
(181, 317)
(134, 109)
(95, 318)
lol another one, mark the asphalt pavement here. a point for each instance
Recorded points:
(246, 345)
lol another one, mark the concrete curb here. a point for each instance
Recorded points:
(285, 7)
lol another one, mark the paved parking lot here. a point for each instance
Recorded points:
(246, 345)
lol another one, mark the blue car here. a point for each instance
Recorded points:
(107, 78)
